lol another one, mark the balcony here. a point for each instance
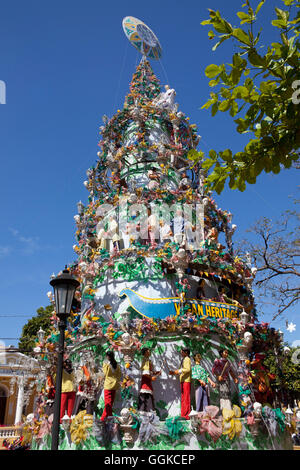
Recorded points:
(9, 433)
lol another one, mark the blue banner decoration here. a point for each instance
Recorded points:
(160, 308)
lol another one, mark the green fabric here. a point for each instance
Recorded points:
(199, 373)
(176, 426)
(280, 418)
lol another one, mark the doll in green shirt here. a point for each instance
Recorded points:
(201, 381)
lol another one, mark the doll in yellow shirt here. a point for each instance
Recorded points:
(112, 377)
(185, 382)
(68, 389)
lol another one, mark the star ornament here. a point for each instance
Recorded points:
(291, 327)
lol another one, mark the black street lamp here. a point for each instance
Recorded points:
(64, 286)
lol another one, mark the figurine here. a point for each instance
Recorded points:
(153, 179)
(127, 425)
(245, 345)
(178, 227)
(184, 183)
(152, 227)
(166, 100)
(222, 369)
(201, 289)
(257, 409)
(114, 234)
(50, 393)
(185, 382)
(127, 347)
(213, 235)
(102, 234)
(67, 390)
(112, 374)
(202, 379)
(166, 233)
(261, 378)
(146, 399)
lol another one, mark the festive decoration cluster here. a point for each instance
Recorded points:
(148, 169)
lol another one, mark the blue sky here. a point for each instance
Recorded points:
(66, 64)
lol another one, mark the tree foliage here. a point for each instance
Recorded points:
(30, 329)
(260, 89)
(286, 371)
(276, 256)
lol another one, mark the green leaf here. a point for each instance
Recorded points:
(282, 15)
(236, 75)
(240, 183)
(255, 59)
(234, 108)
(237, 61)
(207, 164)
(214, 109)
(276, 169)
(244, 17)
(213, 82)
(213, 154)
(279, 24)
(242, 125)
(252, 111)
(259, 6)
(219, 186)
(212, 70)
(223, 38)
(225, 93)
(194, 155)
(240, 92)
(224, 105)
(222, 26)
(205, 22)
(207, 104)
(241, 36)
(226, 155)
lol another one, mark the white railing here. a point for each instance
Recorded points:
(7, 432)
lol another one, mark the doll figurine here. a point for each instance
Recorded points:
(166, 234)
(112, 374)
(222, 369)
(68, 388)
(146, 399)
(153, 179)
(185, 382)
(201, 381)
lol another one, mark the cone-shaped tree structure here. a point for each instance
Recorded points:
(157, 269)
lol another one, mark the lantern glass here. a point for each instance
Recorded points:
(80, 207)
(244, 317)
(64, 287)
(64, 297)
(41, 335)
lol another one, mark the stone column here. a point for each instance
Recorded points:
(20, 400)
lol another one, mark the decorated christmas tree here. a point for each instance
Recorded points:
(164, 345)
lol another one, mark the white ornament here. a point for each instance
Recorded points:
(166, 100)
(257, 409)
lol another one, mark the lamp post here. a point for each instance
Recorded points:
(41, 335)
(64, 286)
(244, 317)
(80, 208)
